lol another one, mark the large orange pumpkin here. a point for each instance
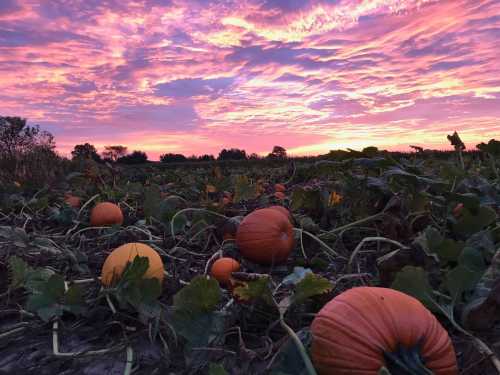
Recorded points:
(222, 268)
(106, 213)
(352, 332)
(283, 210)
(115, 263)
(265, 236)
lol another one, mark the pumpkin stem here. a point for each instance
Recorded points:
(406, 361)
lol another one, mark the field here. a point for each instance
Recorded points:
(426, 224)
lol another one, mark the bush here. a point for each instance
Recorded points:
(172, 158)
(136, 157)
(27, 154)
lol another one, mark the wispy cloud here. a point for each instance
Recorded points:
(195, 76)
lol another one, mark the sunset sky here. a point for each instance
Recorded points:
(195, 76)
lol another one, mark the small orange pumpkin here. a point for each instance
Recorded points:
(283, 210)
(280, 187)
(265, 236)
(106, 213)
(222, 268)
(352, 332)
(457, 211)
(72, 201)
(115, 263)
(279, 195)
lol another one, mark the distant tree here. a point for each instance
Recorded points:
(370, 151)
(112, 153)
(277, 153)
(232, 154)
(417, 148)
(16, 137)
(172, 158)
(206, 157)
(86, 151)
(26, 152)
(254, 156)
(136, 157)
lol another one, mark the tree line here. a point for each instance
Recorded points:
(119, 154)
(18, 140)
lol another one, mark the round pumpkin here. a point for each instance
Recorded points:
(352, 332)
(457, 211)
(106, 213)
(72, 201)
(283, 210)
(222, 268)
(279, 187)
(279, 195)
(265, 236)
(115, 263)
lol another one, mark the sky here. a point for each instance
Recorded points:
(196, 76)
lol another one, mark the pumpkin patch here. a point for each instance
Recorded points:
(363, 262)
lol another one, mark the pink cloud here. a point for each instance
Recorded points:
(197, 76)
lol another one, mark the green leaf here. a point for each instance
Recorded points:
(470, 223)
(414, 281)
(469, 200)
(289, 360)
(466, 275)
(150, 289)
(135, 270)
(36, 279)
(215, 369)
(243, 189)
(202, 295)
(74, 296)
(54, 288)
(198, 329)
(311, 285)
(18, 271)
(447, 249)
(309, 200)
(152, 200)
(461, 279)
(255, 290)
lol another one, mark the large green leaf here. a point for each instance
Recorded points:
(470, 223)
(255, 290)
(414, 281)
(311, 285)
(202, 295)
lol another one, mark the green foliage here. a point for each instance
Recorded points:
(470, 222)
(288, 360)
(50, 299)
(215, 369)
(243, 189)
(194, 314)
(311, 285)
(414, 281)
(258, 289)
